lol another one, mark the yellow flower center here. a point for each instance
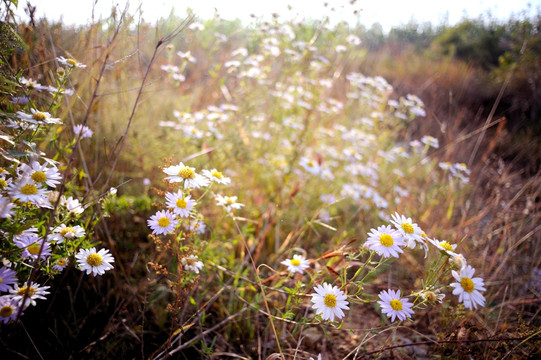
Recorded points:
(1, 280)
(386, 240)
(446, 245)
(3, 183)
(295, 262)
(181, 203)
(33, 249)
(407, 228)
(186, 173)
(329, 300)
(67, 230)
(72, 62)
(29, 189)
(38, 176)
(6, 311)
(94, 260)
(310, 163)
(396, 304)
(39, 116)
(31, 291)
(163, 222)
(467, 284)
(423, 235)
(217, 174)
(61, 262)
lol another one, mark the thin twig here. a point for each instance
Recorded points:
(32, 341)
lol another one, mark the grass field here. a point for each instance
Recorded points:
(279, 190)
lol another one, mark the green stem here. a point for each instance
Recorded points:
(362, 267)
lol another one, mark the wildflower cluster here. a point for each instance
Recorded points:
(181, 218)
(318, 164)
(45, 227)
(389, 241)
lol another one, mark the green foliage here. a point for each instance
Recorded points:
(473, 40)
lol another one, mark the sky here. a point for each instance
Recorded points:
(388, 13)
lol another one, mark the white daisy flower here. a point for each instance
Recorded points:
(229, 202)
(71, 63)
(163, 222)
(31, 231)
(60, 264)
(63, 232)
(385, 241)
(170, 68)
(72, 205)
(187, 56)
(469, 288)
(327, 198)
(196, 26)
(353, 40)
(41, 173)
(26, 190)
(196, 225)
(31, 245)
(444, 246)
(32, 84)
(94, 262)
(430, 141)
(38, 117)
(34, 291)
(445, 165)
(179, 77)
(8, 277)
(340, 48)
(461, 167)
(6, 208)
(216, 176)
(180, 204)
(60, 91)
(393, 306)
(409, 230)
(83, 130)
(191, 263)
(186, 175)
(297, 264)
(193, 132)
(9, 308)
(329, 301)
(311, 166)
